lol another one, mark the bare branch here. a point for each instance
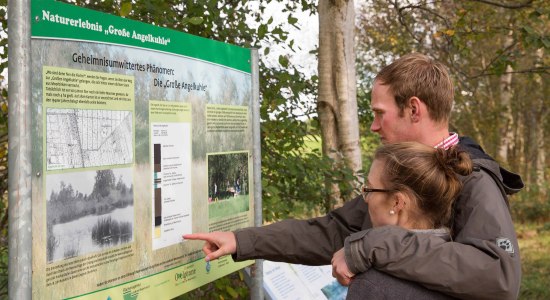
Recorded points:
(401, 12)
(420, 7)
(507, 49)
(538, 70)
(401, 19)
(504, 5)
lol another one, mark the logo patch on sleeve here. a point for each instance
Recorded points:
(505, 244)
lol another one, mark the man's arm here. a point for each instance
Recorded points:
(310, 242)
(473, 266)
(216, 244)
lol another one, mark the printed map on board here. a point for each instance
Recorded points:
(78, 138)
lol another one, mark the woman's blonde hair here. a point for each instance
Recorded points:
(429, 175)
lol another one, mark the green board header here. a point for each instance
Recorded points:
(51, 19)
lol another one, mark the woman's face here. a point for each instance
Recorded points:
(380, 202)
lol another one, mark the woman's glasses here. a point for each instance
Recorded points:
(365, 190)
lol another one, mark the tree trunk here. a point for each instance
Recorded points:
(337, 102)
(540, 166)
(506, 119)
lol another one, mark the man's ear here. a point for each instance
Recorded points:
(415, 105)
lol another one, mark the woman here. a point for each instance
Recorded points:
(412, 186)
(409, 185)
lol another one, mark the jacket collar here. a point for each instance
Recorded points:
(511, 182)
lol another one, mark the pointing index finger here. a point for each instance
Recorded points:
(197, 236)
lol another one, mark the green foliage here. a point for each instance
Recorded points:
(300, 177)
(292, 176)
(231, 286)
(125, 9)
(528, 206)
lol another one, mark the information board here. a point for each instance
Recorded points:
(140, 134)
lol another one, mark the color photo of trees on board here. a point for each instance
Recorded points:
(228, 185)
(88, 212)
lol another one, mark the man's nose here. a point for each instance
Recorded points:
(375, 126)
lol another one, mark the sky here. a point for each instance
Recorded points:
(305, 39)
(83, 181)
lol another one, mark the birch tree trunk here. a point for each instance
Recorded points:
(506, 118)
(540, 166)
(337, 102)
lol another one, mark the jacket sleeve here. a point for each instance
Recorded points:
(310, 242)
(473, 266)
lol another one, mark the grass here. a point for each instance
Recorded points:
(228, 207)
(107, 231)
(313, 143)
(534, 244)
(369, 143)
(71, 251)
(52, 242)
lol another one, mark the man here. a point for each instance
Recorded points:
(411, 101)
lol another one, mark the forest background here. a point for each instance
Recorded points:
(497, 53)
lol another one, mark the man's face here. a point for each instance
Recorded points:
(387, 123)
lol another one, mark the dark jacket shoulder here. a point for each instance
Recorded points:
(509, 181)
